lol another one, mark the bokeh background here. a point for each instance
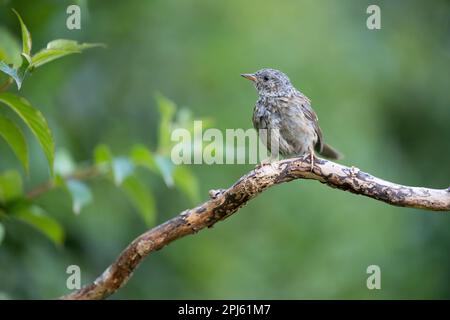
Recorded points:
(382, 97)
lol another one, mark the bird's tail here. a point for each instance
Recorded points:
(330, 153)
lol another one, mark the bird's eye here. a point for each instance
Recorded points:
(266, 78)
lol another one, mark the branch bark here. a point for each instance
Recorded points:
(224, 203)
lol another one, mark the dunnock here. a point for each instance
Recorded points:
(287, 116)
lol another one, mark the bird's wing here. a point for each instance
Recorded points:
(305, 106)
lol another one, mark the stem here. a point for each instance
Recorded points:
(82, 174)
(5, 85)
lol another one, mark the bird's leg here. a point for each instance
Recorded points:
(311, 159)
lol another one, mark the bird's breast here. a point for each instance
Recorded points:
(266, 114)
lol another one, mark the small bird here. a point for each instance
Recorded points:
(288, 117)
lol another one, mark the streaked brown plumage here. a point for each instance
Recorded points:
(288, 116)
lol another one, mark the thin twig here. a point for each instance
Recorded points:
(5, 85)
(82, 174)
(224, 203)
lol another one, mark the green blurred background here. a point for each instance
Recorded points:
(382, 98)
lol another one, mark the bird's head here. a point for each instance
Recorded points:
(270, 82)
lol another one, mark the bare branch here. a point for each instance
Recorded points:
(224, 203)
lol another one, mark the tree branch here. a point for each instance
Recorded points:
(224, 203)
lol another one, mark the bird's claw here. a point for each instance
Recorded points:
(354, 171)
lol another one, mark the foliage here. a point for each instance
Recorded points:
(120, 170)
(55, 49)
(381, 96)
(32, 117)
(35, 121)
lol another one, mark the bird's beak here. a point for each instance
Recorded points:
(249, 76)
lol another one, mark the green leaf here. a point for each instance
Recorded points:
(10, 71)
(187, 183)
(80, 193)
(141, 197)
(26, 36)
(122, 168)
(165, 166)
(166, 109)
(104, 160)
(103, 155)
(17, 74)
(27, 61)
(60, 48)
(14, 137)
(2, 233)
(59, 181)
(141, 156)
(36, 217)
(35, 121)
(71, 45)
(64, 164)
(46, 55)
(9, 48)
(10, 186)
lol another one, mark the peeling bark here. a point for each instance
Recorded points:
(225, 202)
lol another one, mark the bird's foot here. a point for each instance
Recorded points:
(311, 160)
(354, 171)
